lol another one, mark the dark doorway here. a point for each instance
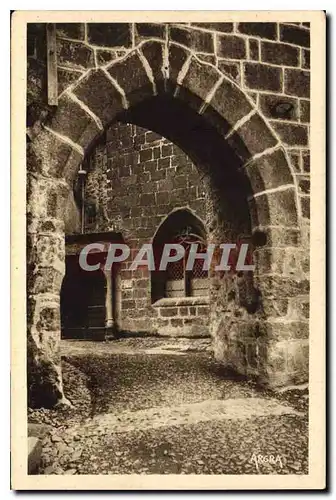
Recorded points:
(82, 302)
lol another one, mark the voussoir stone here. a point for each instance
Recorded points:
(100, 95)
(132, 77)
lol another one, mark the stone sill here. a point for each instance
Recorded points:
(182, 301)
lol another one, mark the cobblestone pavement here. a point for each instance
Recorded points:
(153, 406)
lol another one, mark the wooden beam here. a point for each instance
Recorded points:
(51, 64)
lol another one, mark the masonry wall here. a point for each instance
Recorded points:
(137, 178)
(256, 78)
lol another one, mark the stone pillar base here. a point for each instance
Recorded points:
(110, 332)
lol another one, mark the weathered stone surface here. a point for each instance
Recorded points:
(280, 53)
(281, 236)
(195, 80)
(177, 58)
(277, 208)
(231, 69)
(304, 185)
(306, 59)
(287, 262)
(136, 87)
(291, 134)
(231, 47)
(230, 103)
(305, 206)
(49, 156)
(295, 35)
(66, 77)
(74, 54)
(150, 30)
(297, 82)
(71, 30)
(109, 34)
(153, 52)
(222, 27)
(269, 171)
(262, 77)
(306, 162)
(304, 111)
(263, 30)
(269, 105)
(199, 41)
(254, 49)
(100, 95)
(252, 137)
(72, 121)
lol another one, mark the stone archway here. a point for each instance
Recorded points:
(85, 109)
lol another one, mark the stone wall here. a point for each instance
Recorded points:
(137, 178)
(249, 82)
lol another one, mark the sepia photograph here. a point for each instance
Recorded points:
(167, 174)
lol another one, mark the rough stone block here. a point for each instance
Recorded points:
(298, 359)
(306, 59)
(269, 171)
(50, 156)
(177, 58)
(196, 40)
(277, 208)
(252, 137)
(74, 54)
(73, 122)
(230, 103)
(65, 78)
(304, 111)
(254, 49)
(280, 236)
(100, 95)
(305, 206)
(222, 27)
(231, 47)
(297, 82)
(132, 78)
(262, 30)
(269, 104)
(200, 79)
(280, 53)
(76, 31)
(150, 30)
(306, 162)
(291, 134)
(231, 69)
(109, 34)
(153, 52)
(262, 77)
(295, 35)
(304, 185)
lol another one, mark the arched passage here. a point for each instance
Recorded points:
(89, 105)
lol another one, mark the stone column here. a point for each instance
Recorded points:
(45, 271)
(109, 320)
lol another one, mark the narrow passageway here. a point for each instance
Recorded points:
(164, 406)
